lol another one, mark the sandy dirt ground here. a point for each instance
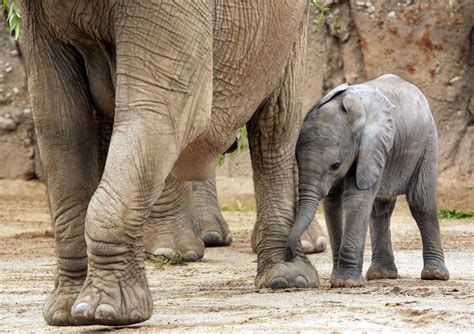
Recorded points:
(217, 294)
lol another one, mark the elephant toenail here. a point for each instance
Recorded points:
(105, 312)
(136, 316)
(212, 238)
(191, 256)
(279, 283)
(301, 282)
(60, 318)
(321, 244)
(307, 247)
(229, 239)
(167, 253)
(81, 310)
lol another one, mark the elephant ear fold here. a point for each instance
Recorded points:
(377, 130)
(332, 94)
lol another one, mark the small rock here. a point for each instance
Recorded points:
(454, 80)
(371, 9)
(392, 15)
(15, 90)
(368, 4)
(409, 2)
(438, 69)
(360, 3)
(8, 67)
(17, 116)
(14, 53)
(27, 111)
(7, 124)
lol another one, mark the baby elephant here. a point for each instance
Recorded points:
(360, 147)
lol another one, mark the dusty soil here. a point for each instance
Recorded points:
(217, 294)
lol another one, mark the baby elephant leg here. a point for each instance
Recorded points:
(383, 265)
(422, 201)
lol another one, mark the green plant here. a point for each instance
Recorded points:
(13, 17)
(470, 187)
(324, 12)
(456, 214)
(159, 262)
(242, 145)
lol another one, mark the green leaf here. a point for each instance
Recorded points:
(456, 214)
(13, 17)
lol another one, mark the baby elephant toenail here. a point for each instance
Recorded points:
(301, 282)
(105, 312)
(307, 247)
(167, 253)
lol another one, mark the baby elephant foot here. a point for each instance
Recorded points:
(435, 271)
(110, 298)
(298, 273)
(382, 271)
(57, 309)
(348, 278)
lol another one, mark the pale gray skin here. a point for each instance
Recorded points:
(359, 148)
(179, 78)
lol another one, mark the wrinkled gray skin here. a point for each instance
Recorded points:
(179, 78)
(360, 147)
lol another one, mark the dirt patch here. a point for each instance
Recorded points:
(217, 294)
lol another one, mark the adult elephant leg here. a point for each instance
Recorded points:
(163, 102)
(273, 132)
(213, 227)
(64, 126)
(313, 239)
(171, 227)
(383, 261)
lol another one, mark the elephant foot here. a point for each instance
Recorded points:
(313, 239)
(298, 273)
(214, 229)
(113, 298)
(347, 279)
(435, 271)
(382, 271)
(167, 243)
(57, 309)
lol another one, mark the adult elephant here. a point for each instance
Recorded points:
(179, 78)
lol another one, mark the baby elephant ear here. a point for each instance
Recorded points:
(378, 131)
(333, 93)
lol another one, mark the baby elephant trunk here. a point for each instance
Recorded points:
(307, 204)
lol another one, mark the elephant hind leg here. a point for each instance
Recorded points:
(171, 228)
(383, 264)
(421, 198)
(212, 225)
(62, 112)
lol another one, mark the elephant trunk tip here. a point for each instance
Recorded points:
(290, 250)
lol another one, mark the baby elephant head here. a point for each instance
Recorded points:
(349, 130)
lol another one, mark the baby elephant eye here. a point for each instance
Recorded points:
(335, 166)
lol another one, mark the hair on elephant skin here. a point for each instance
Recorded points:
(360, 147)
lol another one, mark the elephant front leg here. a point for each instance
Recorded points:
(383, 261)
(163, 103)
(171, 228)
(357, 205)
(273, 132)
(64, 126)
(213, 227)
